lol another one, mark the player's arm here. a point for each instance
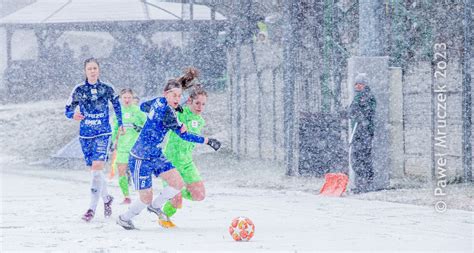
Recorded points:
(214, 143)
(171, 122)
(71, 105)
(115, 128)
(115, 100)
(191, 137)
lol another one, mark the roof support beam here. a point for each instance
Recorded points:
(9, 35)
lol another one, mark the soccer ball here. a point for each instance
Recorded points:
(241, 229)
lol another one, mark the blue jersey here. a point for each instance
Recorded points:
(161, 118)
(93, 101)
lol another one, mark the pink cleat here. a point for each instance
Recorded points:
(88, 215)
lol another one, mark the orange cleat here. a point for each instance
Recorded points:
(166, 223)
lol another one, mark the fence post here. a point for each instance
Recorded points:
(290, 42)
(467, 95)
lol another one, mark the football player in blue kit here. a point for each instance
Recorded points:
(147, 158)
(93, 97)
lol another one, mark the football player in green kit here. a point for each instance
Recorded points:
(133, 120)
(179, 153)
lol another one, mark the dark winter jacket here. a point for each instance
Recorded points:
(362, 111)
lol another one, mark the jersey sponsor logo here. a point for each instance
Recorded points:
(127, 115)
(95, 115)
(92, 122)
(93, 91)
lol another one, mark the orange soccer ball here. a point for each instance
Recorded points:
(241, 229)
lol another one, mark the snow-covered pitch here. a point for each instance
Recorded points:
(42, 204)
(41, 211)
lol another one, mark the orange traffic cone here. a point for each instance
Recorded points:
(335, 184)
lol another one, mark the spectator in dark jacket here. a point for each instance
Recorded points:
(362, 115)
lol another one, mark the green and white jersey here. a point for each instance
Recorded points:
(177, 150)
(130, 115)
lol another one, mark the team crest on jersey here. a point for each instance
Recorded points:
(151, 113)
(194, 123)
(94, 91)
(127, 115)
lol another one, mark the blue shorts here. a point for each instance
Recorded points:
(142, 169)
(95, 149)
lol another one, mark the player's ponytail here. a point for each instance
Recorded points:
(186, 80)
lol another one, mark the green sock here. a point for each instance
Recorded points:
(186, 194)
(123, 182)
(169, 209)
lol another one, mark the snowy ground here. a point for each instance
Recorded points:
(41, 212)
(42, 202)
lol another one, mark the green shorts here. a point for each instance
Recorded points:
(189, 173)
(122, 157)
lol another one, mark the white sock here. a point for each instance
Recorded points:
(164, 195)
(104, 192)
(133, 210)
(96, 188)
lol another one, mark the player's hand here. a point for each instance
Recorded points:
(183, 128)
(214, 143)
(78, 116)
